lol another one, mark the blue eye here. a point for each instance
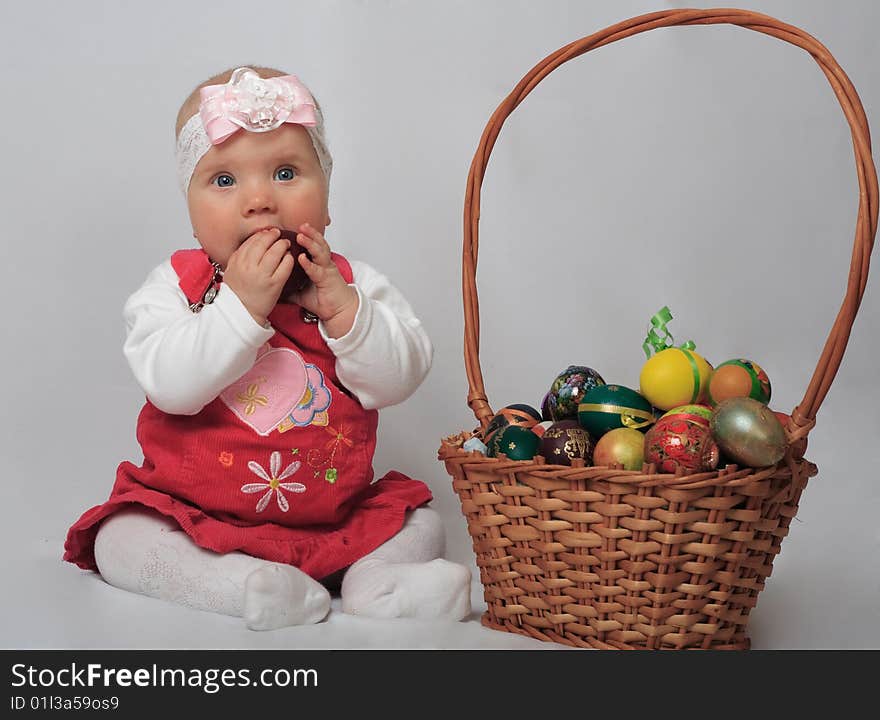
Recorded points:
(224, 180)
(285, 173)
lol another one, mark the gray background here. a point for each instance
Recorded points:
(707, 169)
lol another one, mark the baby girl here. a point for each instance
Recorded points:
(256, 491)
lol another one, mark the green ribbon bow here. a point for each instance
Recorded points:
(659, 337)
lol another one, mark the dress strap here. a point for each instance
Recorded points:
(344, 267)
(198, 275)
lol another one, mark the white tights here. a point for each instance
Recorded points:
(140, 550)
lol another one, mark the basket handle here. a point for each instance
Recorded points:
(803, 416)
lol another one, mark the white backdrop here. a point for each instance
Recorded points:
(709, 169)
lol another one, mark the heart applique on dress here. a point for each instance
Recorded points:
(267, 393)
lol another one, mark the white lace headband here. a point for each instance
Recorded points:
(254, 104)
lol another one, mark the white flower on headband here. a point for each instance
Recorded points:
(257, 104)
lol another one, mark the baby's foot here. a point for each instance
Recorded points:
(436, 589)
(277, 596)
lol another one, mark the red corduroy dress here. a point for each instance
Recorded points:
(278, 466)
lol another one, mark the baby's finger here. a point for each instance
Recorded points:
(314, 242)
(274, 255)
(285, 267)
(255, 246)
(315, 271)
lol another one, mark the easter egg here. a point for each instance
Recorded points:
(540, 428)
(748, 432)
(696, 413)
(565, 441)
(608, 407)
(569, 387)
(799, 447)
(298, 280)
(522, 415)
(517, 443)
(673, 377)
(738, 378)
(681, 443)
(621, 446)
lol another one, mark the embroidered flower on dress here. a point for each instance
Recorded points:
(315, 400)
(273, 482)
(251, 399)
(339, 437)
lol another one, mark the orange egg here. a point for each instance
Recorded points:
(729, 381)
(738, 378)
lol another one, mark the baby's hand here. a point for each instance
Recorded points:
(257, 271)
(328, 295)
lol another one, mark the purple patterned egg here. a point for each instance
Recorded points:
(569, 387)
(565, 441)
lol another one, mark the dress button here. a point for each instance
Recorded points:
(309, 317)
(210, 295)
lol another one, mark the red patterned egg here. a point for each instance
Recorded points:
(698, 413)
(678, 443)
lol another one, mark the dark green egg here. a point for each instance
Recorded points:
(608, 407)
(517, 443)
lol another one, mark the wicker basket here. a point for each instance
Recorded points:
(600, 557)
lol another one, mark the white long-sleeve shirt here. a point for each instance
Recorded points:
(183, 360)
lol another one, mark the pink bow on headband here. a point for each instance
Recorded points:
(255, 104)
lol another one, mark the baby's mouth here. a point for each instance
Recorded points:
(255, 231)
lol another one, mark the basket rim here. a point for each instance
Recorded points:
(728, 476)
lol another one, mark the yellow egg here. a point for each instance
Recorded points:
(674, 377)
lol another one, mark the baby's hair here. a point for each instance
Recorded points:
(191, 105)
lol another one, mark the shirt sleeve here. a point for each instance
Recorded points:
(183, 360)
(387, 354)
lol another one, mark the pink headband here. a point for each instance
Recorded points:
(251, 103)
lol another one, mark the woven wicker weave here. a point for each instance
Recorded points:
(605, 558)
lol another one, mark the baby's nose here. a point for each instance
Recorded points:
(259, 200)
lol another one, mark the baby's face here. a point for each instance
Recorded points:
(253, 181)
